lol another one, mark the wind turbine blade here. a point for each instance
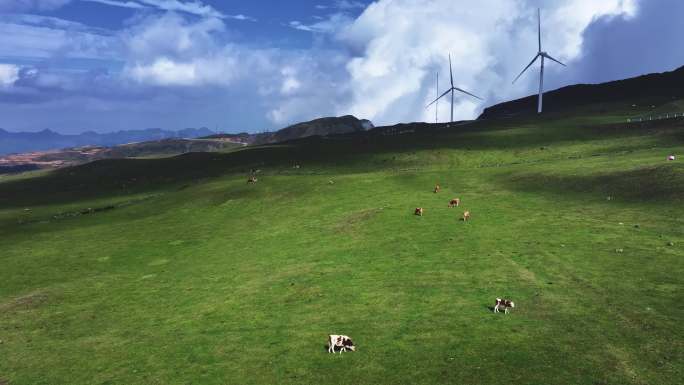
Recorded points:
(441, 96)
(539, 27)
(451, 72)
(550, 58)
(467, 93)
(526, 68)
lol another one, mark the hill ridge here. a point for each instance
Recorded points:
(654, 88)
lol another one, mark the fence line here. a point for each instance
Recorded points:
(669, 115)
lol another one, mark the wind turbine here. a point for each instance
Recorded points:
(543, 55)
(452, 89)
(437, 104)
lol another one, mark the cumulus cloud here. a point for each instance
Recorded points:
(9, 73)
(170, 50)
(625, 47)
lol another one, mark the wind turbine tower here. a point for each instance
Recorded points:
(437, 104)
(543, 55)
(452, 89)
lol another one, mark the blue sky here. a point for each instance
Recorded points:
(103, 65)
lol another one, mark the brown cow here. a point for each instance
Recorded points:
(455, 202)
(437, 189)
(466, 216)
(419, 211)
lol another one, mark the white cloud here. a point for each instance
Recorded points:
(333, 23)
(41, 37)
(169, 50)
(290, 82)
(241, 17)
(122, 4)
(9, 73)
(163, 71)
(173, 36)
(191, 7)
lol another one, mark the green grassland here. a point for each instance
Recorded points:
(175, 271)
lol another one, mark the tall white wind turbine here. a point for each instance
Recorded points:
(452, 89)
(543, 55)
(437, 104)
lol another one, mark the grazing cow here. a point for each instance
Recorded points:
(419, 211)
(455, 202)
(339, 341)
(437, 189)
(466, 216)
(252, 179)
(503, 303)
(671, 157)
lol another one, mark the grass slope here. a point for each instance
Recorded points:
(175, 271)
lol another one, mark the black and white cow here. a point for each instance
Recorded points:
(503, 303)
(339, 341)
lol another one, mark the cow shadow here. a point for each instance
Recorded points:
(336, 349)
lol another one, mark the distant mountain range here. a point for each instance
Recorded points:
(19, 142)
(649, 89)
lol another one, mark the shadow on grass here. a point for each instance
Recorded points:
(120, 177)
(649, 184)
(343, 153)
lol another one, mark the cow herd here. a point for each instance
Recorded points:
(456, 202)
(344, 343)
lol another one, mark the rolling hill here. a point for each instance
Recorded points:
(176, 271)
(647, 90)
(317, 127)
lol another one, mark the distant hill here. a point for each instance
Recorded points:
(656, 88)
(317, 127)
(17, 163)
(18, 142)
(321, 127)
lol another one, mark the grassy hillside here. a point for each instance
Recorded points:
(646, 90)
(175, 271)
